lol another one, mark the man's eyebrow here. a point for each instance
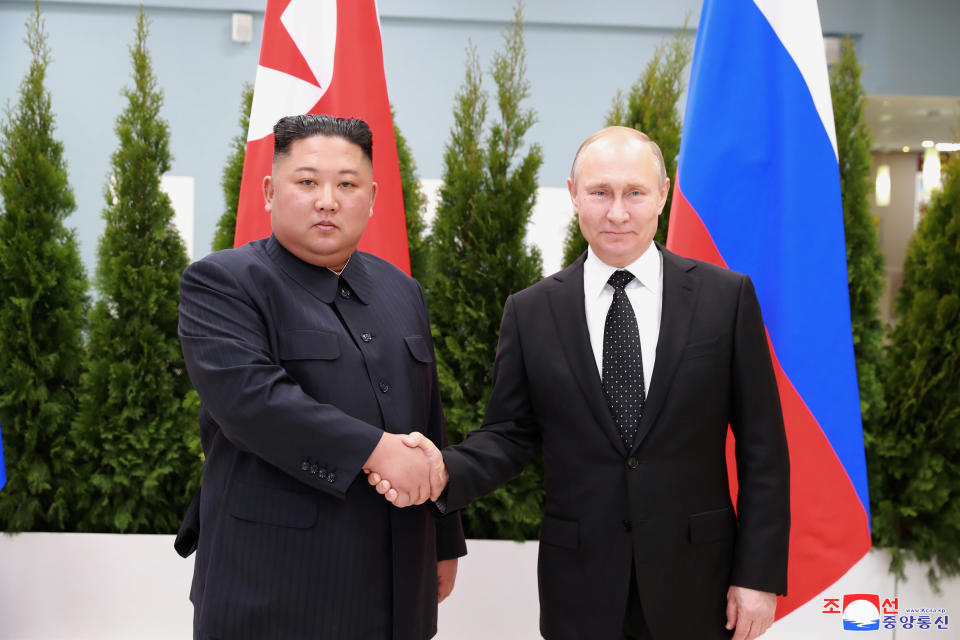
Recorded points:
(606, 184)
(315, 170)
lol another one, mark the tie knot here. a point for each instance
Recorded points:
(620, 278)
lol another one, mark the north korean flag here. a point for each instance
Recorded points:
(324, 56)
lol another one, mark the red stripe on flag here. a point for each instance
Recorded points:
(827, 537)
(822, 548)
(359, 90)
(686, 230)
(253, 221)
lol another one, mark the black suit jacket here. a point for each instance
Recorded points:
(293, 542)
(665, 504)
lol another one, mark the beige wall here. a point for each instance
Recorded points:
(895, 221)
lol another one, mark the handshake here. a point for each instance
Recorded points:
(406, 469)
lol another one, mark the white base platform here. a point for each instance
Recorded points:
(105, 587)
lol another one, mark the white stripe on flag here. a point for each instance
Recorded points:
(794, 22)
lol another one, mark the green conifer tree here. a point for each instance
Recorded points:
(573, 243)
(478, 257)
(913, 458)
(42, 306)
(650, 106)
(414, 204)
(864, 259)
(135, 433)
(232, 175)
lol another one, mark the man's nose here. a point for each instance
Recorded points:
(618, 211)
(325, 198)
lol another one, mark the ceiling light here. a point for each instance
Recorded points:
(947, 147)
(930, 172)
(926, 144)
(882, 187)
(906, 149)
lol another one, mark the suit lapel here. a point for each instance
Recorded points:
(679, 299)
(569, 316)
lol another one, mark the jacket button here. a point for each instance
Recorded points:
(344, 292)
(304, 466)
(322, 474)
(633, 463)
(313, 469)
(331, 477)
(384, 387)
(366, 336)
(627, 526)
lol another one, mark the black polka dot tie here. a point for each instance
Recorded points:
(622, 361)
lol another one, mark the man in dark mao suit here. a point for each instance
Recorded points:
(639, 536)
(309, 356)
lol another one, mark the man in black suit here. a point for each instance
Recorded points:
(309, 358)
(625, 370)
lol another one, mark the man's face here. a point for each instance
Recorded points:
(617, 196)
(320, 198)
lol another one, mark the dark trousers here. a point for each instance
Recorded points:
(634, 626)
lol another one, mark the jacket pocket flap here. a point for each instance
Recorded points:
(272, 506)
(305, 344)
(702, 348)
(418, 348)
(562, 533)
(711, 526)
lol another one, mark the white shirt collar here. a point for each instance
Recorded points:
(646, 271)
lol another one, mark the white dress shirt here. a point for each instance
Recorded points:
(645, 293)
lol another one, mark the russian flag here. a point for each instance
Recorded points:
(758, 191)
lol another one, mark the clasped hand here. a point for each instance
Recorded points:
(406, 469)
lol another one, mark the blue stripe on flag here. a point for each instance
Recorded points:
(3, 467)
(767, 187)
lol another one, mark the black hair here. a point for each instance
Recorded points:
(291, 128)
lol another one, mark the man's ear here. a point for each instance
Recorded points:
(268, 191)
(663, 195)
(573, 194)
(373, 196)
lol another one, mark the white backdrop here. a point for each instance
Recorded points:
(134, 587)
